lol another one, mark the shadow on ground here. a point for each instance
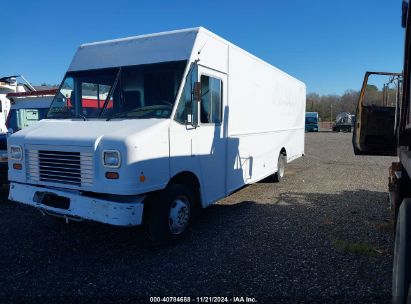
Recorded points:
(282, 249)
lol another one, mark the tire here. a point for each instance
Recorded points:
(279, 175)
(170, 214)
(401, 274)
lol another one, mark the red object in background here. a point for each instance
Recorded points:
(92, 103)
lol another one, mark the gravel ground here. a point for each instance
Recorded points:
(323, 235)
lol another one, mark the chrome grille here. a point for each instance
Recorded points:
(70, 168)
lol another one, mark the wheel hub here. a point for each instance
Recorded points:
(281, 168)
(179, 215)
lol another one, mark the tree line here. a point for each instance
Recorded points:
(331, 105)
(328, 106)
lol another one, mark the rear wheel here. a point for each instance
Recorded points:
(170, 213)
(279, 175)
(401, 277)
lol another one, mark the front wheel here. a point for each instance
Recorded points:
(170, 213)
(401, 274)
(279, 175)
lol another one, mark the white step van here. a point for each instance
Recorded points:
(147, 129)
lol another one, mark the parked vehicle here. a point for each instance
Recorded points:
(344, 122)
(167, 123)
(385, 129)
(26, 109)
(311, 121)
(10, 85)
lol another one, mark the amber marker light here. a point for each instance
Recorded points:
(112, 175)
(17, 166)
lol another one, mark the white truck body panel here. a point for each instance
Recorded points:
(263, 113)
(28, 102)
(312, 114)
(161, 47)
(4, 111)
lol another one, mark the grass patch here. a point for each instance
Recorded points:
(356, 248)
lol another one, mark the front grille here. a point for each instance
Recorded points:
(61, 167)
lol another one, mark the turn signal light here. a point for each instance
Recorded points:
(112, 175)
(17, 166)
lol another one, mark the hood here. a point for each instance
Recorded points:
(82, 133)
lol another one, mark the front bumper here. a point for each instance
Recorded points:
(99, 210)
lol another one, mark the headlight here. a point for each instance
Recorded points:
(15, 153)
(111, 159)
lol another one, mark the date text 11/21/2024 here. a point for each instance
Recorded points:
(203, 300)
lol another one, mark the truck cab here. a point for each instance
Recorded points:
(311, 121)
(383, 127)
(344, 122)
(146, 130)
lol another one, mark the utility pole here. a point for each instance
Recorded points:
(331, 116)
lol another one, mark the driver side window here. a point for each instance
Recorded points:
(211, 100)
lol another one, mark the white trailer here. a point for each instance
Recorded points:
(178, 121)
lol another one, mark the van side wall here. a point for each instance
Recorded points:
(266, 114)
(263, 113)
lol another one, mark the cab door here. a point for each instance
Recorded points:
(377, 115)
(210, 138)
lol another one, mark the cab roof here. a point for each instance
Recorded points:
(143, 49)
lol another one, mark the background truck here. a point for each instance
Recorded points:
(26, 109)
(385, 129)
(311, 121)
(10, 85)
(148, 129)
(344, 122)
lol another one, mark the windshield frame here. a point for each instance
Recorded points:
(177, 70)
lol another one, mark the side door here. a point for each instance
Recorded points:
(377, 115)
(210, 138)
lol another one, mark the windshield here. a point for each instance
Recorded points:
(310, 120)
(22, 118)
(144, 91)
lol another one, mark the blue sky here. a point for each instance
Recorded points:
(327, 44)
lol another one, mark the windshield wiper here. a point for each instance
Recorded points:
(110, 93)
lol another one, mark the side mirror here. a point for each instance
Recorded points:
(10, 131)
(197, 91)
(192, 108)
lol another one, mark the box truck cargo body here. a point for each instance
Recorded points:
(148, 128)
